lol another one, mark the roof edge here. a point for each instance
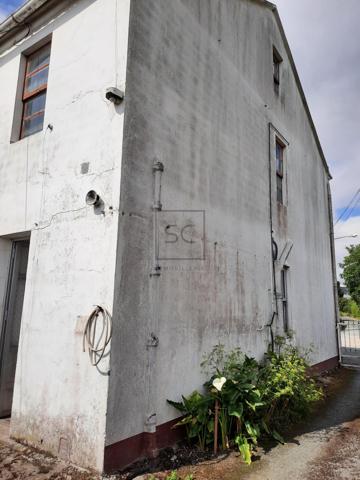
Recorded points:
(274, 9)
(18, 18)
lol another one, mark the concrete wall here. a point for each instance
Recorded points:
(200, 98)
(60, 399)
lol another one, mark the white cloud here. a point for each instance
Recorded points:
(350, 227)
(324, 37)
(3, 14)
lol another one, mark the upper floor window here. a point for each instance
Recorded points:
(277, 60)
(34, 91)
(279, 171)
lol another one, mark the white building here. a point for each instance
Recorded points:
(213, 219)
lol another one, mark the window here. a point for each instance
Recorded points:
(284, 275)
(34, 91)
(276, 68)
(279, 171)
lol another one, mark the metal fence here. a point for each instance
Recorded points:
(349, 341)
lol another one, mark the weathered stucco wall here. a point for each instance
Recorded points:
(60, 399)
(200, 98)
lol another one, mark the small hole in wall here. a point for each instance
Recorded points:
(41, 441)
(84, 167)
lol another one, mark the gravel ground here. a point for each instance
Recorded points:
(326, 447)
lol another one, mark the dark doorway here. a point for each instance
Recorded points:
(10, 327)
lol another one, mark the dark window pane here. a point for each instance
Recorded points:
(279, 158)
(285, 299)
(34, 105)
(36, 81)
(38, 59)
(279, 189)
(276, 72)
(32, 125)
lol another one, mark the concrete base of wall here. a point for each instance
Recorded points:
(321, 367)
(122, 454)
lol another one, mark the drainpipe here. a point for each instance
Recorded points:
(18, 18)
(273, 245)
(152, 343)
(333, 267)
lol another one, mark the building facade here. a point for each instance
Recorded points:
(195, 210)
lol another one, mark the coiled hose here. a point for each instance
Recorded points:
(94, 339)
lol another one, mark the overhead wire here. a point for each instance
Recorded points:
(352, 209)
(349, 206)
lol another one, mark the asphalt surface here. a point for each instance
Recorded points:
(327, 447)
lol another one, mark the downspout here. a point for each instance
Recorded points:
(274, 253)
(333, 268)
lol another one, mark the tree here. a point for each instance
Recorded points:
(351, 271)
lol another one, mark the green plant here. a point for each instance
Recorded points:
(198, 419)
(251, 398)
(351, 271)
(349, 307)
(173, 476)
(287, 390)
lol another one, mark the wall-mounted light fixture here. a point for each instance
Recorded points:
(92, 198)
(114, 95)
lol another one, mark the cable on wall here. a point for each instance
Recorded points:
(97, 334)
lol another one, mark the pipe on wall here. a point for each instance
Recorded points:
(333, 266)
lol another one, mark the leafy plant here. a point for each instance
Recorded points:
(173, 476)
(349, 307)
(198, 419)
(288, 391)
(351, 271)
(253, 399)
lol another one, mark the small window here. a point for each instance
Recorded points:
(34, 92)
(279, 171)
(277, 60)
(284, 292)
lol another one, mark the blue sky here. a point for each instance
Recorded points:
(8, 6)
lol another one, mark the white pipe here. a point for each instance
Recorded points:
(19, 16)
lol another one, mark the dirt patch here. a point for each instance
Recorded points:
(169, 459)
(21, 462)
(341, 457)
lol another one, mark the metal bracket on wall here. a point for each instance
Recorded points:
(157, 168)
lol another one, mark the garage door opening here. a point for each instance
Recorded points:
(11, 321)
